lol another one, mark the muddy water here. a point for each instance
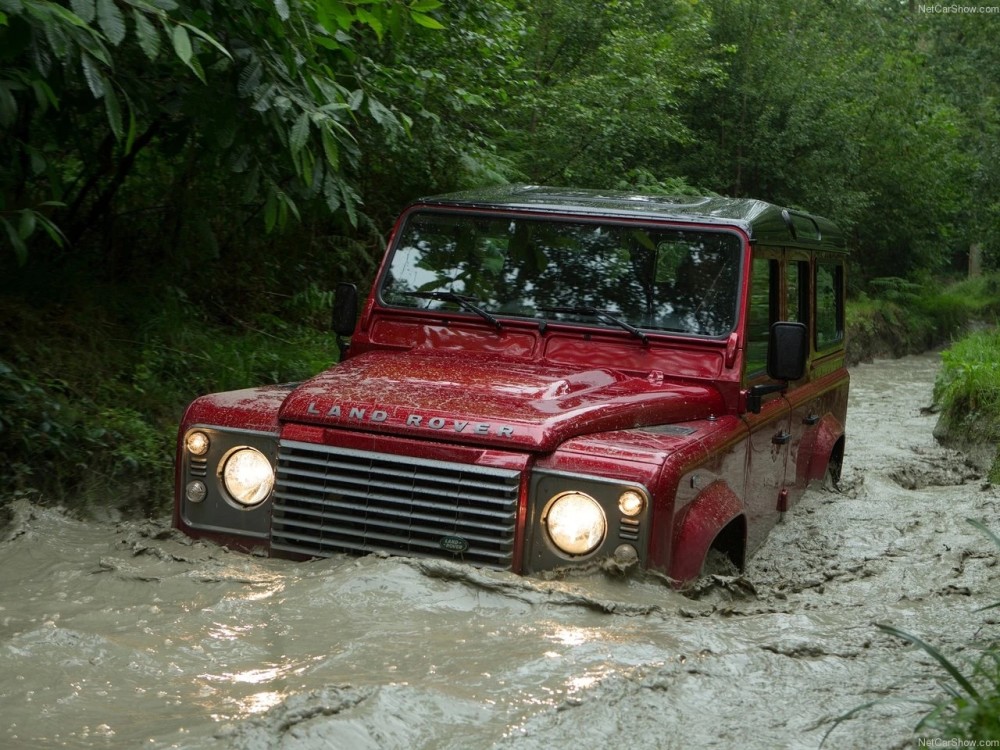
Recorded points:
(122, 634)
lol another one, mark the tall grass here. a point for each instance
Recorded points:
(968, 391)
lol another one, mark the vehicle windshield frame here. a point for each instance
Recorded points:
(734, 246)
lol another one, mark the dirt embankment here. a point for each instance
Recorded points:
(887, 334)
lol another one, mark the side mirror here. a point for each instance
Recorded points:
(787, 351)
(345, 309)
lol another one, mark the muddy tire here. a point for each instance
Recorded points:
(718, 563)
(831, 479)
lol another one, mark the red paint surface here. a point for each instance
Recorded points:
(484, 399)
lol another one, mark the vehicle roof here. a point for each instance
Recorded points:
(763, 222)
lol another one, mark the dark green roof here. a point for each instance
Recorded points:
(763, 222)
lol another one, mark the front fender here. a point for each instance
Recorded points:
(710, 512)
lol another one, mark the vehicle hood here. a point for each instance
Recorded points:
(490, 401)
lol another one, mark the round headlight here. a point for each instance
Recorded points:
(197, 443)
(248, 476)
(575, 523)
(631, 503)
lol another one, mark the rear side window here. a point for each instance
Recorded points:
(797, 291)
(829, 304)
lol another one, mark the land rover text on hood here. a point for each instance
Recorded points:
(544, 378)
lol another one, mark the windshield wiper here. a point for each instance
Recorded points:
(604, 314)
(468, 303)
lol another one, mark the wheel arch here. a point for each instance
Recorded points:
(714, 519)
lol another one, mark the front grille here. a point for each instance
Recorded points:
(329, 500)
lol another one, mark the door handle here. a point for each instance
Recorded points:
(811, 419)
(781, 438)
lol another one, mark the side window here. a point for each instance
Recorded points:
(797, 291)
(829, 304)
(763, 311)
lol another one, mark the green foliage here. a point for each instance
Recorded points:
(970, 374)
(260, 106)
(968, 390)
(90, 395)
(835, 107)
(606, 87)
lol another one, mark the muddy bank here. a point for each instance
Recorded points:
(125, 634)
(888, 331)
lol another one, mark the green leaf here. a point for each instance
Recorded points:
(132, 127)
(92, 74)
(395, 21)
(382, 114)
(111, 21)
(149, 37)
(84, 9)
(350, 199)
(282, 7)
(300, 133)
(340, 12)
(425, 5)
(54, 232)
(44, 94)
(182, 44)
(290, 204)
(27, 225)
(331, 192)
(986, 530)
(250, 77)
(357, 96)
(270, 211)
(331, 149)
(114, 112)
(20, 249)
(326, 42)
(371, 20)
(941, 659)
(426, 21)
(196, 68)
(66, 15)
(208, 38)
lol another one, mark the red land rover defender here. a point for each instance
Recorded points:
(542, 378)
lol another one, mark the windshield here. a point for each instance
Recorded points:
(651, 278)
